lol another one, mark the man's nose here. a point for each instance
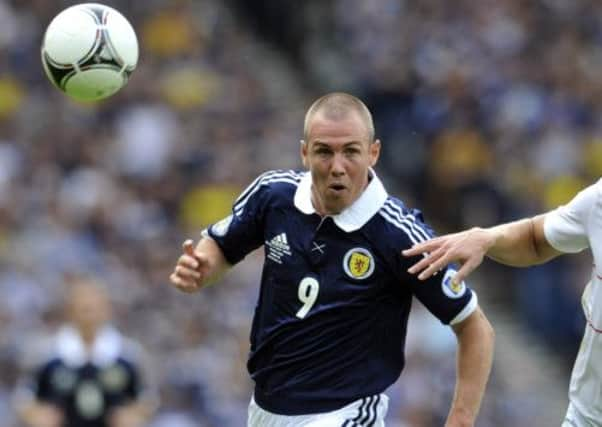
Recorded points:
(338, 166)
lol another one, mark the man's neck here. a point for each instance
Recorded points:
(88, 337)
(317, 203)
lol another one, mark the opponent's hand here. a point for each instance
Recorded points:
(191, 269)
(467, 248)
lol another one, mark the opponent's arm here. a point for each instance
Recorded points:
(475, 337)
(519, 243)
(198, 267)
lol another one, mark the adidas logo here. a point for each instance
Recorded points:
(277, 247)
(280, 241)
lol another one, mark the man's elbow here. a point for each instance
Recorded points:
(486, 326)
(486, 335)
(488, 330)
(476, 325)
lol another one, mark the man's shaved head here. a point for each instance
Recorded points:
(338, 106)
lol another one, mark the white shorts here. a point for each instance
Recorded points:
(366, 412)
(574, 418)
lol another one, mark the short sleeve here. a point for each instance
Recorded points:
(143, 382)
(34, 385)
(242, 231)
(41, 382)
(134, 385)
(566, 228)
(449, 302)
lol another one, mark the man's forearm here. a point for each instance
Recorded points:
(39, 414)
(520, 243)
(475, 354)
(135, 414)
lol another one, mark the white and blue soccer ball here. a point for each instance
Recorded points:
(89, 51)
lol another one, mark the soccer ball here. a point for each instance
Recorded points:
(89, 51)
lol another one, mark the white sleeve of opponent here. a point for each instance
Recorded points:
(567, 228)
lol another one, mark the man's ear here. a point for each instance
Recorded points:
(374, 152)
(303, 150)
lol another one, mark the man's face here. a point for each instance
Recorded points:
(338, 155)
(89, 308)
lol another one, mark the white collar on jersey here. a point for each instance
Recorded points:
(72, 351)
(355, 216)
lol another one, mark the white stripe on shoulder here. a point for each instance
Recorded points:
(290, 177)
(263, 176)
(403, 227)
(403, 221)
(407, 218)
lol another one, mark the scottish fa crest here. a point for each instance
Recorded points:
(220, 228)
(358, 263)
(450, 287)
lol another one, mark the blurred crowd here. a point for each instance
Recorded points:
(487, 111)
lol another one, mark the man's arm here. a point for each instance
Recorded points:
(200, 266)
(135, 414)
(475, 354)
(520, 243)
(39, 414)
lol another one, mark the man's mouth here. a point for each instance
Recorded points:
(336, 187)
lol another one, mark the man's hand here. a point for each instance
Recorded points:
(191, 269)
(468, 248)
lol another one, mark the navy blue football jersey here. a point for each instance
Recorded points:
(331, 317)
(87, 393)
(87, 390)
